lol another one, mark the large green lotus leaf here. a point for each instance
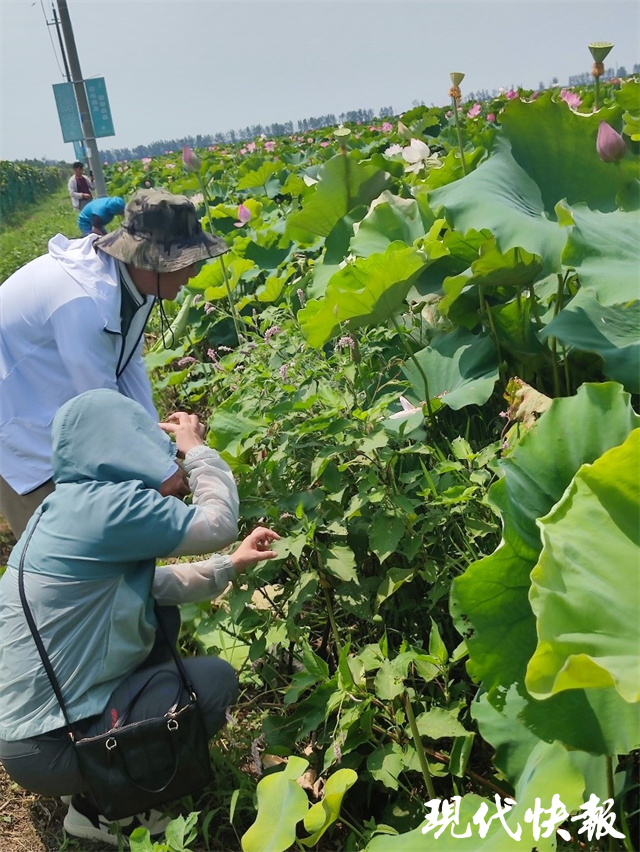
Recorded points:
(344, 184)
(325, 812)
(557, 149)
(585, 589)
(604, 249)
(500, 195)
(612, 332)
(628, 95)
(572, 432)
(211, 278)
(462, 369)
(389, 218)
(260, 176)
(336, 249)
(515, 268)
(549, 769)
(490, 600)
(368, 291)
(282, 803)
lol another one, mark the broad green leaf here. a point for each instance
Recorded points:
(585, 589)
(611, 331)
(491, 597)
(229, 429)
(211, 278)
(461, 368)
(341, 563)
(557, 148)
(366, 292)
(259, 177)
(501, 196)
(438, 723)
(604, 250)
(175, 334)
(394, 579)
(385, 764)
(282, 803)
(390, 218)
(515, 268)
(324, 813)
(385, 534)
(388, 682)
(344, 184)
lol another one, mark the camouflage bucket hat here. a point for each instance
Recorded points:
(160, 232)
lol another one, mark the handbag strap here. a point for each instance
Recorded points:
(36, 636)
(45, 658)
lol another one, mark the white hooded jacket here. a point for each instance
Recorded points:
(59, 336)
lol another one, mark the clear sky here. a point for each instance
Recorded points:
(183, 67)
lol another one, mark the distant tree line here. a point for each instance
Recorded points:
(287, 128)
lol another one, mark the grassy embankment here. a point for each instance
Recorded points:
(26, 233)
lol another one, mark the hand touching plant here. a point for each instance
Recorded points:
(254, 548)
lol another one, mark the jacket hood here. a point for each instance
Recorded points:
(104, 436)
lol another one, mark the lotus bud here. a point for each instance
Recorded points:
(189, 160)
(610, 145)
(403, 131)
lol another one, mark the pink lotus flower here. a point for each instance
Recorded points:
(491, 118)
(324, 144)
(145, 160)
(169, 165)
(610, 145)
(511, 94)
(310, 139)
(387, 127)
(242, 151)
(251, 146)
(244, 214)
(189, 160)
(571, 98)
(474, 111)
(269, 146)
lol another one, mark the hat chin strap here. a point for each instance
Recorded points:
(164, 321)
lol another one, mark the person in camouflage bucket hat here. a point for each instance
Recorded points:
(160, 232)
(74, 319)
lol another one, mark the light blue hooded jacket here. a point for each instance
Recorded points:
(89, 565)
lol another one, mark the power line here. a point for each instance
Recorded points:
(53, 47)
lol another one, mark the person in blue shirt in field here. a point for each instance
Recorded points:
(95, 215)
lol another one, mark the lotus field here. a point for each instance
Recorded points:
(421, 357)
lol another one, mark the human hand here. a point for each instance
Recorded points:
(177, 485)
(187, 430)
(254, 548)
(86, 195)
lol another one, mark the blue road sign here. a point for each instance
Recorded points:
(78, 150)
(67, 111)
(99, 107)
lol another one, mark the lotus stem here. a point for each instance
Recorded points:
(454, 101)
(417, 741)
(232, 307)
(425, 380)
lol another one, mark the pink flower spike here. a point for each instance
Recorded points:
(474, 111)
(610, 145)
(491, 118)
(571, 98)
(189, 160)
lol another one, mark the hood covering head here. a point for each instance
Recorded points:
(104, 436)
(160, 232)
(115, 205)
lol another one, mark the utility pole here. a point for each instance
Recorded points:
(81, 97)
(56, 24)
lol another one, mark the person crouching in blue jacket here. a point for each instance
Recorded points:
(90, 581)
(96, 215)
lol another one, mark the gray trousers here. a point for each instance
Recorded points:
(47, 764)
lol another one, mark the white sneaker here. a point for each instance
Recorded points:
(83, 820)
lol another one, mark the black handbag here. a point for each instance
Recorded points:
(137, 766)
